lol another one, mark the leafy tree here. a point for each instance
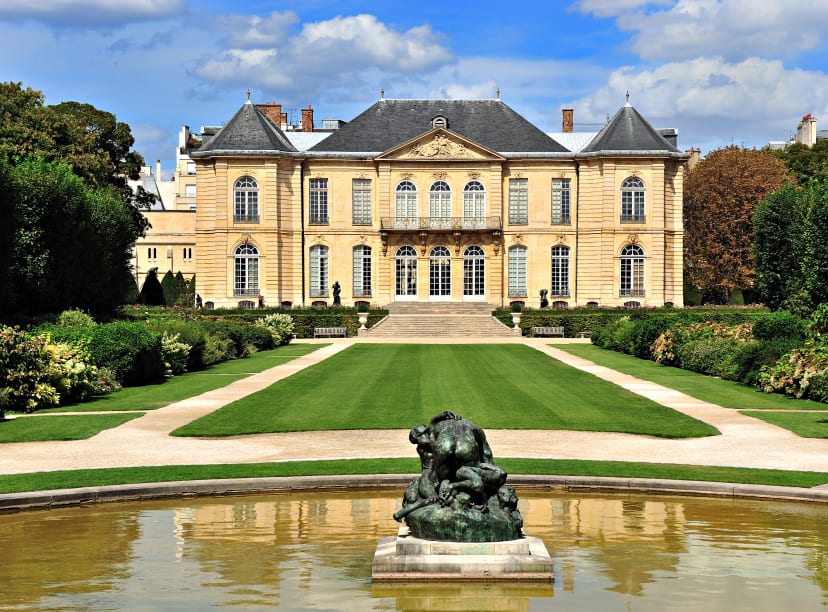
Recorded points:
(789, 244)
(720, 195)
(778, 223)
(806, 163)
(70, 243)
(170, 288)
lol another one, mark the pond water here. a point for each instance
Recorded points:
(313, 551)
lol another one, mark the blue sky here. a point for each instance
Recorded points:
(721, 71)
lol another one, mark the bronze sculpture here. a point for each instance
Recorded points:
(460, 495)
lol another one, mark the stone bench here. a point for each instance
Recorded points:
(329, 332)
(548, 331)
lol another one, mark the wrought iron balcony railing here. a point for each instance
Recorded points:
(245, 218)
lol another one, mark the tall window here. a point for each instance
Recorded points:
(319, 271)
(439, 272)
(362, 271)
(439, 204)
(189, 191)
(632, 271)
(406, 272)
(361, 201)
(406, 204)
(246, 270)
(632, 200)
(519, 201)
(246, 200)
(474, 204)
(319, 201)
(517, 271)
(560, 271)
(560, 200)
(474, 271)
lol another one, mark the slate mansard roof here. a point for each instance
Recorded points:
(389, 123)
(249, 132)
(629, 133)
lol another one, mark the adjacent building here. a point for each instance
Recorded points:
(436, 201)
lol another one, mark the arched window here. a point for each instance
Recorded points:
(362, 271)
(406, 204)
(246, 270)
(439, 204)
(474, 272)
(439, 272)
(632, 200)
(517, 271)
(406, 273)
(632, 271)
(474, 205)
(319, 271)
(560, 271)
(246, 200)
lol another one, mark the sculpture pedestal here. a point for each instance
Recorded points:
(405, 557)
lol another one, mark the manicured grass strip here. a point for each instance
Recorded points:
(60, 427)
(725, 393)
(508, 386)
(151, 397)
(805, 424)
(43, 481)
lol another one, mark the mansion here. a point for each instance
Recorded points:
(432, 201)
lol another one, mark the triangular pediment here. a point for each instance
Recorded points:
(439, 144)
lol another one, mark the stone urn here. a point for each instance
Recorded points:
(363, 319)
(516, 320)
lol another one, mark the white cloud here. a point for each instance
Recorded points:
(342, 52)
(88, 14)
(613, 8)
(248, 31)
(755, 99)
(733, 29)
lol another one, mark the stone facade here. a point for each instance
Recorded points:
(414, 201)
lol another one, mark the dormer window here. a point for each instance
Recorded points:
(439, 122)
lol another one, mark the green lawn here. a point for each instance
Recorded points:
(60, 426)
(41, 481)
(805, 424)
(724, 393)
(150, 397)
(507, 386)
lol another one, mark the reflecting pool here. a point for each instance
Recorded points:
(314, 551)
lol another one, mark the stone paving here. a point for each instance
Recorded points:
(745, 441)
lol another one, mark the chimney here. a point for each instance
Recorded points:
(567, 123)
(157, 170)
(272, 110)
(307, 119)
(693, 159)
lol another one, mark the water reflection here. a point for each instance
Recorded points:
(314, 551)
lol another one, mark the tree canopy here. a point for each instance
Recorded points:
(720, 196)
(68, 218)
(806, 163)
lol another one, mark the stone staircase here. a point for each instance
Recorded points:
(439, 320)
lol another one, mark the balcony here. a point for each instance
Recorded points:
(245, 291)
(445, 224)
(633, 218)
(426, 226)
(245, 218)
(632, 293)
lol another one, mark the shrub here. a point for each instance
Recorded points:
(131, 351)
(644, 333)
(217, 349)
(818, 387)
(174, 354)
(710, 355)
(257, 337)
(70, 373)
(792, 374)
(189, 332)
(280, 327)
(232, 334)
(751, 357)
(24, 372)
(819, 320)
(779, 324)
(74, 318)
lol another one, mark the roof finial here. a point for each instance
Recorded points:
(382, 93)
(248, 94)
(628, 97)
(498, 93)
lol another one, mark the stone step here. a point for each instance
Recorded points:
(440, 326)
